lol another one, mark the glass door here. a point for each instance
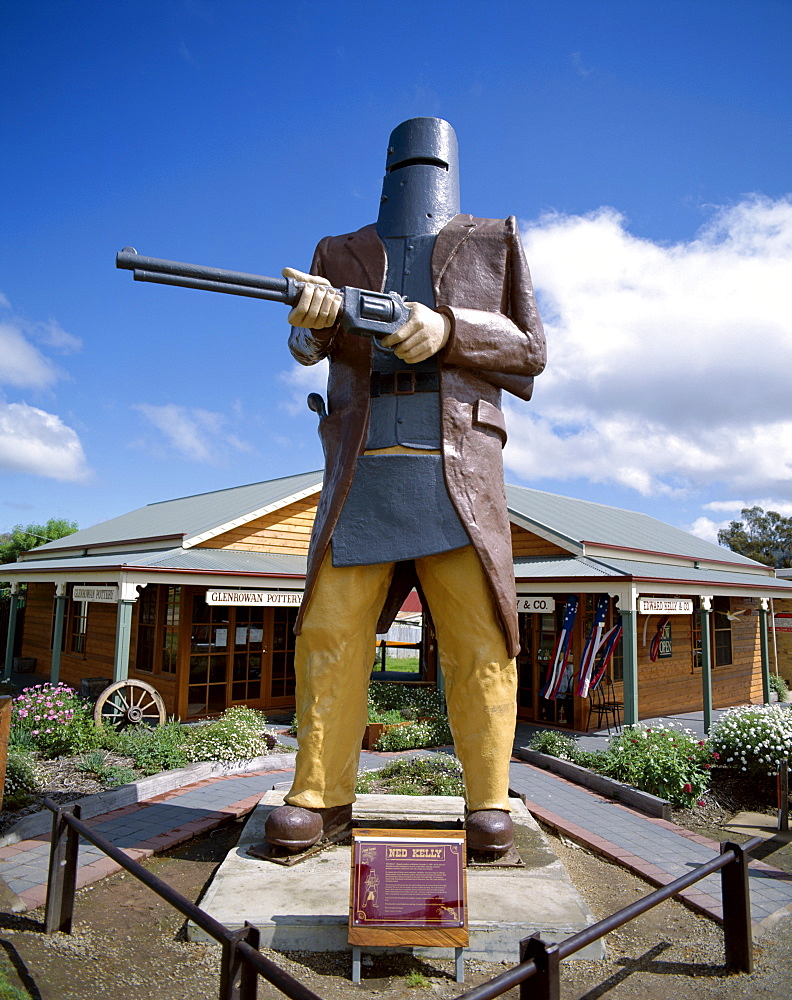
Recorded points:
(208, 670)
(538, 636)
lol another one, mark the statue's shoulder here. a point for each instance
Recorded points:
(361, 237)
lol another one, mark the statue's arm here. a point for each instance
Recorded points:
(509, 341)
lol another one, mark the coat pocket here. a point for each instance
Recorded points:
(489, 418)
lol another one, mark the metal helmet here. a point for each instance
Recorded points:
(420, 193)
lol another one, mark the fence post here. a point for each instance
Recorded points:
(238, 980)
(5, 725)
(783, 795)
(546, 984)
(62, 877)
(736, 900)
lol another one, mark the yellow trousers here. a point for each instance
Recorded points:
(336, 650)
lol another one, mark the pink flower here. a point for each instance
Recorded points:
(716, 755)
(687, 787)
(701, 802)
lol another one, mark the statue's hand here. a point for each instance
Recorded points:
(424, 334)
(319, 304)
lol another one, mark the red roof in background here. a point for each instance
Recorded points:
(412, 603)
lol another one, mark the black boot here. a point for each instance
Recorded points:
(490, 831)
(297, 828)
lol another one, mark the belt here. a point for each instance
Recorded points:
(403, 383)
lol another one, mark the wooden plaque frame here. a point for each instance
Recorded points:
(399, 930)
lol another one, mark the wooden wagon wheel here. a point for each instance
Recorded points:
(129, 703)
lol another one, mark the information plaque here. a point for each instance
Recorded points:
(408, 887)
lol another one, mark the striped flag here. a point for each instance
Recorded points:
(555, 673)
(654, 648)
(604, 654)
(590, 650)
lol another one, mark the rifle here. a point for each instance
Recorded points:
(366, 313)
(369, 314)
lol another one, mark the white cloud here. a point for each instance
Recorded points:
(668, 365)
(196, 434)
(704, 527)
(733, 507)
(38, 443)
(302, 380)
(22, 364)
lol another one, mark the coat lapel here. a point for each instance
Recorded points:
(369, 252)
(448, 241)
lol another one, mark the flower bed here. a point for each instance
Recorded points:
(737, 763)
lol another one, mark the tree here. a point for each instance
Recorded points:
(21, 538)
(765, 536)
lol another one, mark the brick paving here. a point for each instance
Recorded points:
(654, 849)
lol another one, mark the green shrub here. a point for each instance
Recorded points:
(427, 733)
(161, 748)
(555, 744)
(111, 775)
(439, 774)
(423, 701)
(22, 779)
(239, 734)
(754, 739)
(57, 718)
(661, 760)
(780, 686)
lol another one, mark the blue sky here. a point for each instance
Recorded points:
(644, 148)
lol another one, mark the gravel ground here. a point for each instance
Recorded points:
(126, 938)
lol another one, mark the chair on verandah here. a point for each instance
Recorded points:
(602, 701)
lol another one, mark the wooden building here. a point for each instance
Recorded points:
(198, 596)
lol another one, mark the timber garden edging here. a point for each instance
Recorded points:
(646, 803)
(145, 788)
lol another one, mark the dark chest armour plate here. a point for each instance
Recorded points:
(398, 507)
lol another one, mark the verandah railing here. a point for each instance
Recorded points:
(537, 974)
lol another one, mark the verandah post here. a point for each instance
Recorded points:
(630, 660)
(705, 615)
(765, 650)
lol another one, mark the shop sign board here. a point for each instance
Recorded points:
(665, 605)
(96, 595)
(535, 605)
(408, 887)
(782, 621)
(260, 598)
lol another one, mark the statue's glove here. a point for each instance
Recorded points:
(424, 334)
(319, 303)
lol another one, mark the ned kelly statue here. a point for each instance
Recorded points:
(426, 317)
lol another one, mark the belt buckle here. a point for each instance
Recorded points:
(398, 383)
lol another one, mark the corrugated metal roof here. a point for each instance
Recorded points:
(187, 515)
(207, 560)
(537, 568)
(579, 567)
(584, 521)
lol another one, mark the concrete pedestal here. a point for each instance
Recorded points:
(306, 907)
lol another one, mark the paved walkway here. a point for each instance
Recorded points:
(655, 849)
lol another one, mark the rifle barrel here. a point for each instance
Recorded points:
(250, 291)
(209, 278)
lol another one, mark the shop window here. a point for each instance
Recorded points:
(78, 626)
(720, 633)
(282, 685)
(158, 630)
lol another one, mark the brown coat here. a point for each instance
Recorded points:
(481, 282)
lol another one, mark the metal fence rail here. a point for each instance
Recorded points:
(537, 974)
